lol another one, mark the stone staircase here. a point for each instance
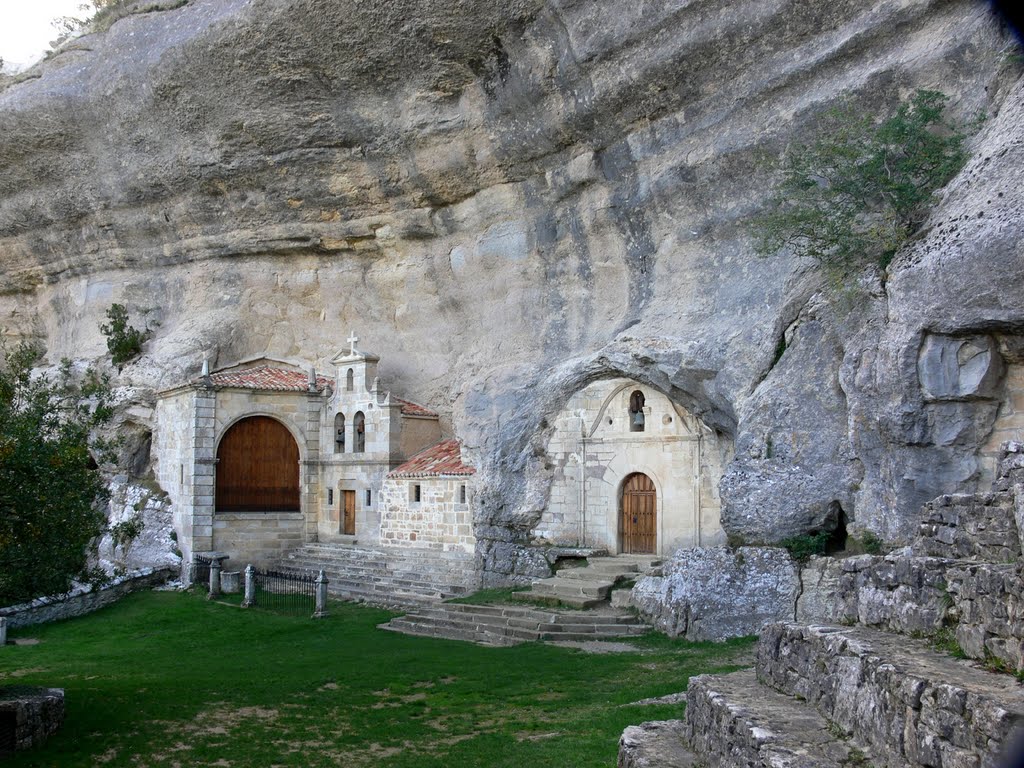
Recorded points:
(386, 576)
(512, 624)
(589, 586)
(873, 690)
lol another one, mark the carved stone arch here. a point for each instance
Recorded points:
(339, 432)
(359, 432)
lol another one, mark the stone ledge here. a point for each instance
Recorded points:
(908, 703)
(83, 599)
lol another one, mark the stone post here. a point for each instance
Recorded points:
(3, 631)
(250, 587)
(215, 567)
(321, 596)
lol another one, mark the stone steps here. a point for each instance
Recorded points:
(382, 576)
(589, 586)
(907, 702)
(655, 744)
(507, 625)
(731, 720)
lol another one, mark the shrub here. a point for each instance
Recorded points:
(52, 493)
(124, 342)
(803, 548)
(856, 194)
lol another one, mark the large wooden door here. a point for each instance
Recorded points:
(638, 526)
(257, 468)
(348, 521)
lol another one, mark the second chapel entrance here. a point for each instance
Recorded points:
(638, 518)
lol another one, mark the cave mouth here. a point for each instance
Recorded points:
(838, 536)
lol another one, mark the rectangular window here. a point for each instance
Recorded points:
(462, 494)
(330, 497)
(414, 493)
(369, 497)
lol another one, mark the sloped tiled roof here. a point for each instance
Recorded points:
(268, 378)
(443, 459)
(410, 408)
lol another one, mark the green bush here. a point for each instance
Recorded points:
(856, 194)
(124, 341)
(51, 491)
(803, 548)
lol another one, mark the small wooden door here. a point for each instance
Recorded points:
(348, 520)
(638, 525)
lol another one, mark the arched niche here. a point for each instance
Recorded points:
(257, 467)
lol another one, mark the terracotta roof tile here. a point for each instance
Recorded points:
(410, 408)
(268, 378)
(442, 459)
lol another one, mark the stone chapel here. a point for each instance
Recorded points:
(261, 457)
(633, 473)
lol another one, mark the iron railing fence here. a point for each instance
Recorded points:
(285, 592)
(201, 569)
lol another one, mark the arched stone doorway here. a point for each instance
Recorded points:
(638, 519)
(257, 468)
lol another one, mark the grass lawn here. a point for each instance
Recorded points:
(169, 679)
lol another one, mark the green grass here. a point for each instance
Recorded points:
(169, 679)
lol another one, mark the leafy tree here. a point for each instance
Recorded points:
(124, 342)
(856, 195)
(51, 491)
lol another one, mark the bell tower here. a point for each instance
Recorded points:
(356, 371)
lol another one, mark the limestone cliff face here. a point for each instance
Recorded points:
(510, 200)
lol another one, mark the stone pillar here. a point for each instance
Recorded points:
(311, 468)
(215, 568)
(3, 631)
(250, 587)
(321, 596)
(203, 480)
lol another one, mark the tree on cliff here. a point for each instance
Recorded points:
(51, 489)
(856, 194)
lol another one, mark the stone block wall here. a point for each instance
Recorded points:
(37, 713)
(260, 538)
(980, 526)
(438, 521)
(83, 600)
(981, 603)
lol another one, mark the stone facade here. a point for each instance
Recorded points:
(393, 430)
(348, 434)
(426, 502)
(441, 519)
(595, 446)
